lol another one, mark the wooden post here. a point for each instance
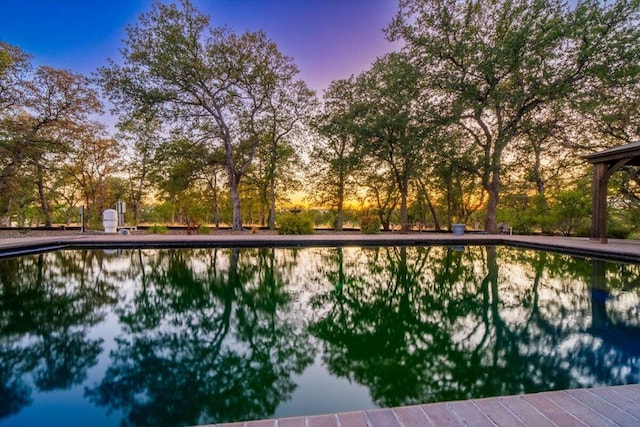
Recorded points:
(599, 203)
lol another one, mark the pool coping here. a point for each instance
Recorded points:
(623, 250)
(598, 406)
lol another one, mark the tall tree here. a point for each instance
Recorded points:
(52, 106)
(381, 193)
(490, 65)
(142, 137)
(178, 164)
(92, 164)
(334, 157)
(388, 124)
(212, 82)
(287, 111)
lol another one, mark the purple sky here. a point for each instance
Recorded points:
(328, 39)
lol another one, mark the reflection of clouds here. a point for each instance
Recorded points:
(576, 346)
(624, 307)
(468, 332)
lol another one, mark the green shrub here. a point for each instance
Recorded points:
(634, 236)
(370, 224)
(616, 229)
(158, 229)
(163, 212)
(204, 229)
(295, 224)
(584, 230)
(570, 212)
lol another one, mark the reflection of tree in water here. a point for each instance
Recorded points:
(14, 392)
(615, 319)
(214, 335)
(48, 303)
(205, 339)
(431, 324)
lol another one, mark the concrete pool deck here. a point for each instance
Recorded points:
(603, 406)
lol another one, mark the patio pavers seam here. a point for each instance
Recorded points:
(581, 394)
(511, 412)
(542, 414)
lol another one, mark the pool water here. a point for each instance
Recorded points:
(173, 337)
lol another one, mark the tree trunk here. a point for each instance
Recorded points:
(540, 184)
(216, 200)
(263, 207)
(491, 183)
(404, 215)
(340, 213)
(449, 203)
(492, 204)
(273, 165)
(5, 217)
(272, 203)
(236, 222)
(44, 204)
(216, 216)
(432, 209)
(8, 171)
(234, 181)
(138, 199)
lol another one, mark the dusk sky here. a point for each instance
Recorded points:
(328, 39)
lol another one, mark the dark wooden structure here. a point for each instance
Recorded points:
(605, 163)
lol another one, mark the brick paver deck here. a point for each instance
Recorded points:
(602, 406)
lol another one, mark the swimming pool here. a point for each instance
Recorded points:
(187, 336)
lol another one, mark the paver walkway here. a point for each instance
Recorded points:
(603, 406)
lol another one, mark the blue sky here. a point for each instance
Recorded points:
(328, 39)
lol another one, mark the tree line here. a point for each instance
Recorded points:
(482, 117)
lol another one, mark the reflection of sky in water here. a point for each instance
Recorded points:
(319, 393)
(70, 408)
(344, 329)
(63, 408)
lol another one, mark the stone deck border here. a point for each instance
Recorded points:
(625, 250)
